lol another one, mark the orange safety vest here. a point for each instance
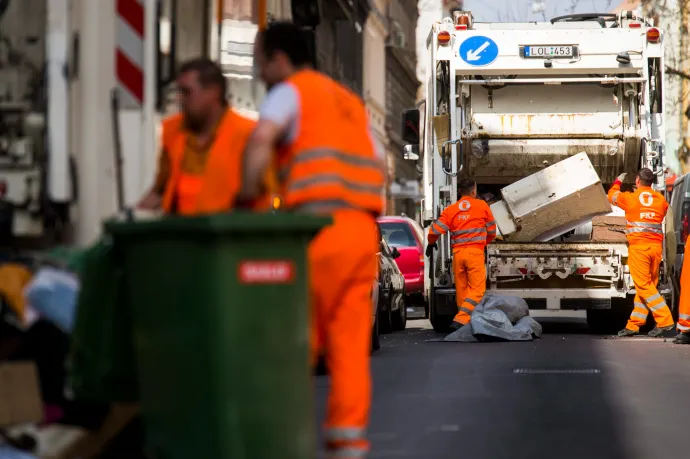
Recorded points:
(469, 221)
(332, 164)
(645, 210)
(216, 189)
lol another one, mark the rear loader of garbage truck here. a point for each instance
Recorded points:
(508, 104)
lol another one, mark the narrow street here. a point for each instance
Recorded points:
(577, 396)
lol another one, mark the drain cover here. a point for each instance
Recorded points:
(556, 371)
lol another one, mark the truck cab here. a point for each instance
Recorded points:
(506, 100)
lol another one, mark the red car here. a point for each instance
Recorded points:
(407, 236)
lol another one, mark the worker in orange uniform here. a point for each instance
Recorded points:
(645, 210)
(472, 226)
(328, 164)
(199, 166)
(683, 326)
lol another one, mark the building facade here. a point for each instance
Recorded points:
(404, 193)
(374, 70)
(340, 41)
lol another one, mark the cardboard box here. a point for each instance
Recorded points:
(609, 229)
(551, 202)
(66, 442)
(20, 394)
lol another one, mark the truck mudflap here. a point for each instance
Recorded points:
(560, 276)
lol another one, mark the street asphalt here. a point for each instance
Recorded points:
(570, 394)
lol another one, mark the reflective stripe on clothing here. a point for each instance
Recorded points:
(342, 434)
(468, 236)
(443, 228)
(349, 452)
(614, 198)
(326, 206)
(644, 227)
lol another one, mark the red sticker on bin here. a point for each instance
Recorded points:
(266, 272)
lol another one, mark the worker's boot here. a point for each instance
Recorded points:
(663, 332)
(455, 326)
(682, 338)
(626, 332)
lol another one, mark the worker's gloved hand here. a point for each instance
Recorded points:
(430, 249)
(621, 178)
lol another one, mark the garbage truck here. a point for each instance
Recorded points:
(504, 101)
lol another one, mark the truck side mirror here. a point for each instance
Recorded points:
(411, 152)
(410, 126)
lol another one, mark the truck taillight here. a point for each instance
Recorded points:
(443, 37)
(653, 35)
(462, 22)
(634, 25)
(581, 271)
(685, 224)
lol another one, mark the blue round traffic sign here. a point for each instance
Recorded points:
(478, 50)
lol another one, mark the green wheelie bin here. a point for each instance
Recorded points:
(102, 367)
(218, 307)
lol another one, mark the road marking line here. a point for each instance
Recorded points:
(564, 371)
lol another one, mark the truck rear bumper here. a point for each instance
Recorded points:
(543, 299)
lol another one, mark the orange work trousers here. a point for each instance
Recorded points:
(469, 270)
(342, 265)
(684, 302)
(644, 261)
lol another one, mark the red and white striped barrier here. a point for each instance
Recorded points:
(129, 52)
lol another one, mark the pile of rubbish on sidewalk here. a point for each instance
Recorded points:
(39, 418)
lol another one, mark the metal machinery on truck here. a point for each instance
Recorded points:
(504, 100)
(61, 61)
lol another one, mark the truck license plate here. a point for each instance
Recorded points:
(548, 51)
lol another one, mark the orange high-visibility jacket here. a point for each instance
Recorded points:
(645, 210)
(470, 222)
(331, 164)
(217, 188)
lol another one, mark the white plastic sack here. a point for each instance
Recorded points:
(53, 294)
(498, 318)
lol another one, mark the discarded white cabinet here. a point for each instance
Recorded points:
(551, 202)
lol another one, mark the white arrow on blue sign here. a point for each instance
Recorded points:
(478, 50)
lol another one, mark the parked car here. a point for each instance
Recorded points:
(405, 235)
(375, 334)
(680, 207)
(392, 314)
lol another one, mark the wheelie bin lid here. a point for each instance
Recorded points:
(217, 224)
